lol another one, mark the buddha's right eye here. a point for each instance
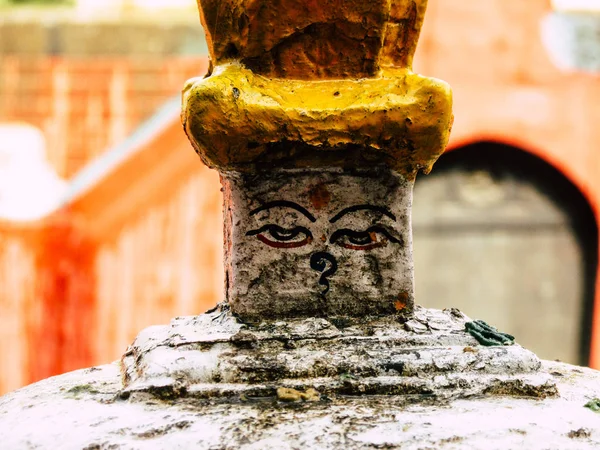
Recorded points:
(279, 237)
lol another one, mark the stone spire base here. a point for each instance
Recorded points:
(316, 243)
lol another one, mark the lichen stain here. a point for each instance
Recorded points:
(517, 388)
(319, 196)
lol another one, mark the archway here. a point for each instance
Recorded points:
(505, 237)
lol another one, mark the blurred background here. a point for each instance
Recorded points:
(109, 223)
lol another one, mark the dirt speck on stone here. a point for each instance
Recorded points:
(455, 312)
(581, 433)
(102, 446)
(161, 431)
(82, 389)
(518, 431)
(451, 440)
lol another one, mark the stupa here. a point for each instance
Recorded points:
(318, 126)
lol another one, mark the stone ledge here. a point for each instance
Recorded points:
(215, 355)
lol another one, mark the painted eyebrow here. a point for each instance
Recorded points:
(351, 209)
(285, 204)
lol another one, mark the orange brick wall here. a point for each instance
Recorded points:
(85, 106)
(17, 294)
(166, 261)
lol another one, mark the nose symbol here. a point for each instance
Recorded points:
(319, 262)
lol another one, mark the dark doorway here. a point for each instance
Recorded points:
(505, 237)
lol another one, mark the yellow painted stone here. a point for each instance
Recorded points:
(346, 99)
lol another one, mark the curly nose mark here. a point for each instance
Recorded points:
(319, 262)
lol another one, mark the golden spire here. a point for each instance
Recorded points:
(315, 83)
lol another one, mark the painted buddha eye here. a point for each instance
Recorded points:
(278, 237)
(374, 237)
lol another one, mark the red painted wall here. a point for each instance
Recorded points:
(85, 105)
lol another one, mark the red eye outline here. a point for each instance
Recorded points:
(281, 237)
(363, 240)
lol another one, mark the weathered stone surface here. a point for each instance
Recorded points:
(318, 243)
(216, 355)
(86, 410)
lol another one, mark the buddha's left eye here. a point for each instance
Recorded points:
(279, 237)
(373, 237)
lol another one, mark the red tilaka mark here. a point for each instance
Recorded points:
(402, 301)
(320, 196)
(276, 244)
